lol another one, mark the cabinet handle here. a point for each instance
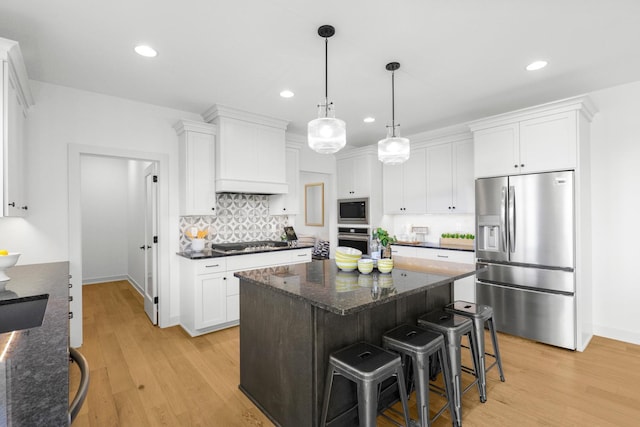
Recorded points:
(302, 254)
(515, 166)
(521, 165)
(453, 207)
(24, 208)
(211, 266)
(443, 256)
(213, 209)
(12, 204)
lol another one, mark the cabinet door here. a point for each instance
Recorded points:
(282, 204)
(197, 184)
(439, 179)
(13, 167)
(463, 194)
(414, 183)
(496, 151)
(548, 143)
(392, 199)
(211, 303)
(269, 145)
(362, 176)
(345, 175)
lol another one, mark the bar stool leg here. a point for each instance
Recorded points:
(327, 395)
(421, 370)
(496, 349)
(367, 403)
(453, 355)
(478, 332)
(476, 356)
(403, 395)
(441, 354)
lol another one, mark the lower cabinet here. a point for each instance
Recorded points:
(463, 289)
(210, 293)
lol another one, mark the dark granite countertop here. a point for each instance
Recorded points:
(436, 246)
(208, 253)
(322, 284)
(34, 373)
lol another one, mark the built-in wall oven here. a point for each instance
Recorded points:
(354, 237)
(353, 211)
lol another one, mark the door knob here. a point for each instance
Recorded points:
(142, 247)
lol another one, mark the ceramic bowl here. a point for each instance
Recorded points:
(347, 266)
(365, 266)
(7, 261)
(385, 265)
(344, 253)
(347, 258)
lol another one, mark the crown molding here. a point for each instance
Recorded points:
(10, 52)
(185, 125)
(218, 110)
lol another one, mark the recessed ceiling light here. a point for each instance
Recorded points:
(286, 94)
(536, 65)
(369, 119)
(147, 51)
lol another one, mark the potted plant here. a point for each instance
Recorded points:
(382, 236)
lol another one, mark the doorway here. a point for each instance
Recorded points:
(77, 240)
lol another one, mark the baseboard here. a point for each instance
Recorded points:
(631, 337)
(135, 285)
(94, 280)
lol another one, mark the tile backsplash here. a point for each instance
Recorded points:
(239, 218)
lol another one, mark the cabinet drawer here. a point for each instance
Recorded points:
(403, 251)
(259, 260)
(300, 255)
(212, 265)
(446, 255)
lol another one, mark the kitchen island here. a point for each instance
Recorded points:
(34, 362)
(293, 317)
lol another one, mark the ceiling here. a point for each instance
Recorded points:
(460, 59)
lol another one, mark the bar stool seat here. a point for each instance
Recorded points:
(480, 315)
(367, 366)
(419, 344)
(453, 328)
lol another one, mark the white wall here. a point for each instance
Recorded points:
(438, 224)
(64, 116)
(104, 188)
(615, 154)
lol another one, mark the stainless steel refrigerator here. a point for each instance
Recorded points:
(526, 237)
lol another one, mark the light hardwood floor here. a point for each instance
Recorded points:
(142, 375)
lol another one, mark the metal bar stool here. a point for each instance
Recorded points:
(419, 344)
(480, 315)
(453, 327)
(368, 366)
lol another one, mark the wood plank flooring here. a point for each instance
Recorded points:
(142, 375)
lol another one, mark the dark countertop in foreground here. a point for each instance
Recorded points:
(208, 253)
(34, 374)
(321, 284)
(436, 246)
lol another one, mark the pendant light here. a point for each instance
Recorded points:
(326, 134)
(394, 149)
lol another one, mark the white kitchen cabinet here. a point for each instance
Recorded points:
(404, 186)
(450, 181)
(354, 176)
(287, 204)
(538, 144)
(196, 159)
(463, 289)
(210, 293)
(15, 100)
(250, 151)
(403, 251)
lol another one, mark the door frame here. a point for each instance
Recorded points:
(75, 151)
(150, 225)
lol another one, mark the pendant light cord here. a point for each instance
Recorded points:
(393, 104)
(326, 77)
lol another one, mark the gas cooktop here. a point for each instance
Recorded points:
(243, 247)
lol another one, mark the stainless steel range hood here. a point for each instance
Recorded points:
(249, 152)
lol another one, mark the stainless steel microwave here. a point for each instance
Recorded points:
(353, 211)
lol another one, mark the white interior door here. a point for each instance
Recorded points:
(151, 243)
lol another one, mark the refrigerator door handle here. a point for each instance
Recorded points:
(512, 219)
(503, 218)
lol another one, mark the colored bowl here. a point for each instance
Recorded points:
(365, 266)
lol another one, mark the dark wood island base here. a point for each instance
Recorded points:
(293, 317)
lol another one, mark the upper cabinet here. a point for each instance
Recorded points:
(249, 152)
(538, 139)
(354, 176)
(16, 99)
(450, 181)
(196, 157)
(287, 204)
(405, 185)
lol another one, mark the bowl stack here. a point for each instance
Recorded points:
(385, 265)
(347, 258)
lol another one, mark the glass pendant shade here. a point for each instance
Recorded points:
(326, 134)
(394, 149)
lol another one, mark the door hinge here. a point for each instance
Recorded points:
(155, 178)
(155, 239)
(155, 300)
